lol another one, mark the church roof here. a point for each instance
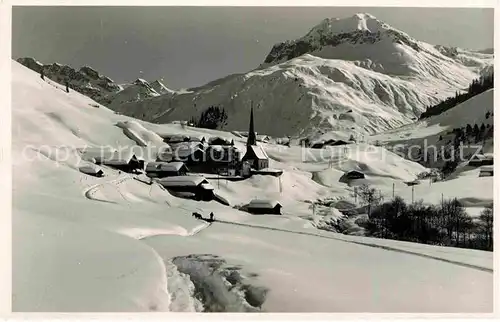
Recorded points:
(258, 151)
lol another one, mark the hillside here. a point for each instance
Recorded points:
(82, 243)
(355, 75)
(437, 130)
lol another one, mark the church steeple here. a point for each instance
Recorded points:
(252, 138)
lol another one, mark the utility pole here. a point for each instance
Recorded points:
(355, 196)
(412, 193)
(393, 185)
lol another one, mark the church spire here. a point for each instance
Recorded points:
(252, 138)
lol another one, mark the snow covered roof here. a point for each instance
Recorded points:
(207, 186)
(259, 152)
(90, 169)
(486, 168)
(93, 154)
(185, 150)
(263, 204)
(163, 166)
(182, 181)
(262, 137)
(119, 158)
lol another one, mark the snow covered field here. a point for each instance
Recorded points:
(117, 244)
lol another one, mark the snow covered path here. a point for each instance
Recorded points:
(373, 243)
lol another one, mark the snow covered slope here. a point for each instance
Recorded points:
(346, 76)
(115, 243)
(473, 111)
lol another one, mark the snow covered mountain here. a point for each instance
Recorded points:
(137, 91)
(355, 75)
(86, 80)
(118, 244)
(159, 87)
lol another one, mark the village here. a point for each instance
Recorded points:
(185, 165)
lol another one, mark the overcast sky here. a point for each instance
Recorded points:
(190, 46)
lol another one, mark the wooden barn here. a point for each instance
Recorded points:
(164, 169)
(198, 186)
(264, 207)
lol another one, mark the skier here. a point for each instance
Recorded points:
(211, 216)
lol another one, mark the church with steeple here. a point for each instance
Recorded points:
(255, 154)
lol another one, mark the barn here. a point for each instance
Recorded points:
(263, 207)
(196, 185)
(164, 169)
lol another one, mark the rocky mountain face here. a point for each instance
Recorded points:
(100, 88)
(86, 80)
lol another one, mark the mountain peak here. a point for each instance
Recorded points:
(358, 22)
(336, 38)
(158, 86)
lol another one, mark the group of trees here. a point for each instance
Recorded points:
(213, 117)
(446, 224)
(476, 87)
(472, 134)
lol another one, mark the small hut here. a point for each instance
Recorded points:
(486, 171)
(477, 160)
(317, 145)
(352, 175)
(264, 207)
(92, 170)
